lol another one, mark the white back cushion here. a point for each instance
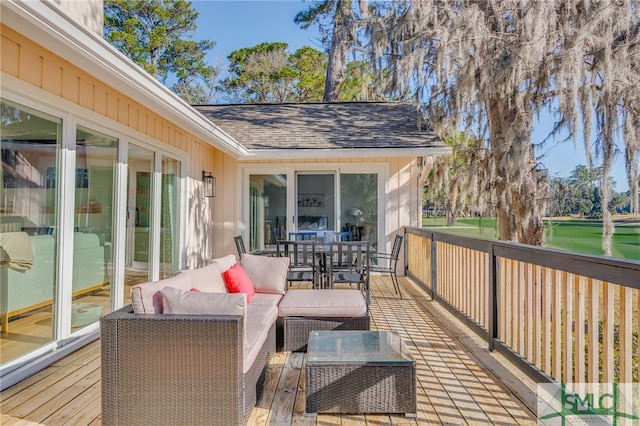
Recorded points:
(268, 274)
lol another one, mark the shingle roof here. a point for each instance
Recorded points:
(322, 125)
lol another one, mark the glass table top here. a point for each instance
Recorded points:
(357, 346)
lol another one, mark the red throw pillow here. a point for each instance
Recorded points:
(238, 281)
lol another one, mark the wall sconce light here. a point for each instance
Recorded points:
(209, 182)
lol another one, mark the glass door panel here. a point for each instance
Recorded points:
(267, 209)
(138, 216)
(359, 206)
(169, 262)
(316, 203)
(28, 208)
(93, 221)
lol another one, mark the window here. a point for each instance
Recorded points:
(28, 207)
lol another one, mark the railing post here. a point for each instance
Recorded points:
(493, 299)
(405, 251)
(434, 273)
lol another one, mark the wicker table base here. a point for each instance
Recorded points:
(359, 372)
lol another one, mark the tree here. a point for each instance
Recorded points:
(267, 73)
(582, 190)
(462, 175)
(156, 34)
(489, 67)
(339, 23)
(310, 67)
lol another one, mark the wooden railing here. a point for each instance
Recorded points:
(560, 316)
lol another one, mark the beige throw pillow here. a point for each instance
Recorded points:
(224, 263)
(208, 279)
(146, 297)
(177, 301)
(268, 274)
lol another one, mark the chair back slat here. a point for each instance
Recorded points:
(240, 245)
(302, 259)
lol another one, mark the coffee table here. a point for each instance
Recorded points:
(355, 371)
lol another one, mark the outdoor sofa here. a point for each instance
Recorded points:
(188, 351)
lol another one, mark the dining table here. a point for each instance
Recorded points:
(322, 250)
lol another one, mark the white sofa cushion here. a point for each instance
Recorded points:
(261, 314)
(184, 302)
(259, 321)
(268, 274)
(323, 303)
(266, 299)
(208, 279)
(146, 297)
(224, 263)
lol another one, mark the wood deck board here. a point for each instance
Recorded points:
(453, 387)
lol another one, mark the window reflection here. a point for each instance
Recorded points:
(268, 210)
(169, 262)
(359, 201)
(28, 207)
(139, 214)
(93, 220)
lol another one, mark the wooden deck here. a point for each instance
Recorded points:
(459, 382)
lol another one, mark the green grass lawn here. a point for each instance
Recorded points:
(573, 234)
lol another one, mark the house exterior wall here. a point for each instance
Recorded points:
(403, 197)
(211, 222)
(88, 12)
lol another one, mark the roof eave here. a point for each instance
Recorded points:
(46, 24)
(302, 153)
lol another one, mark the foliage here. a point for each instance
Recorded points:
(580, 194)
(341, 26)
(156, 34)
(267, 73)
(489, 67)
(463, 176)
(358, 83)
(310, 66)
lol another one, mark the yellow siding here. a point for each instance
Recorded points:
(31, 63)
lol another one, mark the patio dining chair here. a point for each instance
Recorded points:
(330, 236)
(240, 245)
(349, 263)
(303, 236)
(389, 263)
(303, 266)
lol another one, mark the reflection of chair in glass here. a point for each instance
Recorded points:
(345, 236)
(390, 260)
(303, 235)
(349, 264)
(330, 236)
(240, 245)
(303, 261)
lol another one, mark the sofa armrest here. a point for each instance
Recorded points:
(157, 367)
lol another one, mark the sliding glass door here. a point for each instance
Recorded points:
(359, 205)
(319, 201)
(30, 146)
(267, 209)
(316, 202)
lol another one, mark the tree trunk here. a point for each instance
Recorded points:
(337, 52)
(605, 187)
(518, 209)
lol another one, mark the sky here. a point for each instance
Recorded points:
(237, 24)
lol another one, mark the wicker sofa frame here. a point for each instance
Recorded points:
(295, 330)
(178, 369)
